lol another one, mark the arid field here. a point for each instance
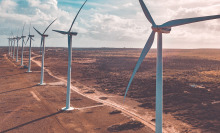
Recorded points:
(191, 91)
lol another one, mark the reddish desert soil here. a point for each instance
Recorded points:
(26, 107)
(191, 84)
(191, 80)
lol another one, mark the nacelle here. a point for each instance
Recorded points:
(161, 29)
(45, 35)
(31, 35)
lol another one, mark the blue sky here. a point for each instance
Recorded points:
(111, 23)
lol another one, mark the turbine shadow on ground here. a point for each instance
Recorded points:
(18, 89)
(24, 124)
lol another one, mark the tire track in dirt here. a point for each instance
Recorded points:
(35, 96)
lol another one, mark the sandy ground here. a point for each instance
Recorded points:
(191, 82)
(191, 92)
(27, 107)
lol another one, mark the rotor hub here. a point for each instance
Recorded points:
(73, 33)
(161, 29)
(45, 35)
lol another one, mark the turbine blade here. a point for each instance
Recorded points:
(76, 16)
(17, 32)
(37, 31)
(61, 32)
(32, 39)
(41, 43)
(23, 29)
(49, 26)
(146, 12)
(73, 33)
(141, 58)
(178, 22)
(30, 29)
(27, 40)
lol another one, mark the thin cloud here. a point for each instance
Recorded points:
(110, 23)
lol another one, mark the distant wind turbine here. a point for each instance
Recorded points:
(17, 38)
(22, 47)
(14, 38)
(9, 42)
(11, 46)
(29, 37)
(43, 51)
(25, 45)
(164, 28)
(69, 34)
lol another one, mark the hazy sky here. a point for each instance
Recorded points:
(111, 23)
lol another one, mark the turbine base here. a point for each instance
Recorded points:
(67, 109)
(41, 84)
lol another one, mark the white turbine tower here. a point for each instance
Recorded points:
(25, 45)
(29, 37)
(9, 41)
(14, 48)
(17, 38)
(69, 34)
(43, 51)
(22, 47)
(11, 46)
(164, 28)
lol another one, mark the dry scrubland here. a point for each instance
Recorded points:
(26, 107)
(191, 79)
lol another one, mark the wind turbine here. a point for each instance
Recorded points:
(17, 38)
(14, 48)
(12, 39)
(9, 41)
(43, 51)
(22, 48)
(29, 37)
(164, 28)
(25, 45)
(11, 47)
(69, 34)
